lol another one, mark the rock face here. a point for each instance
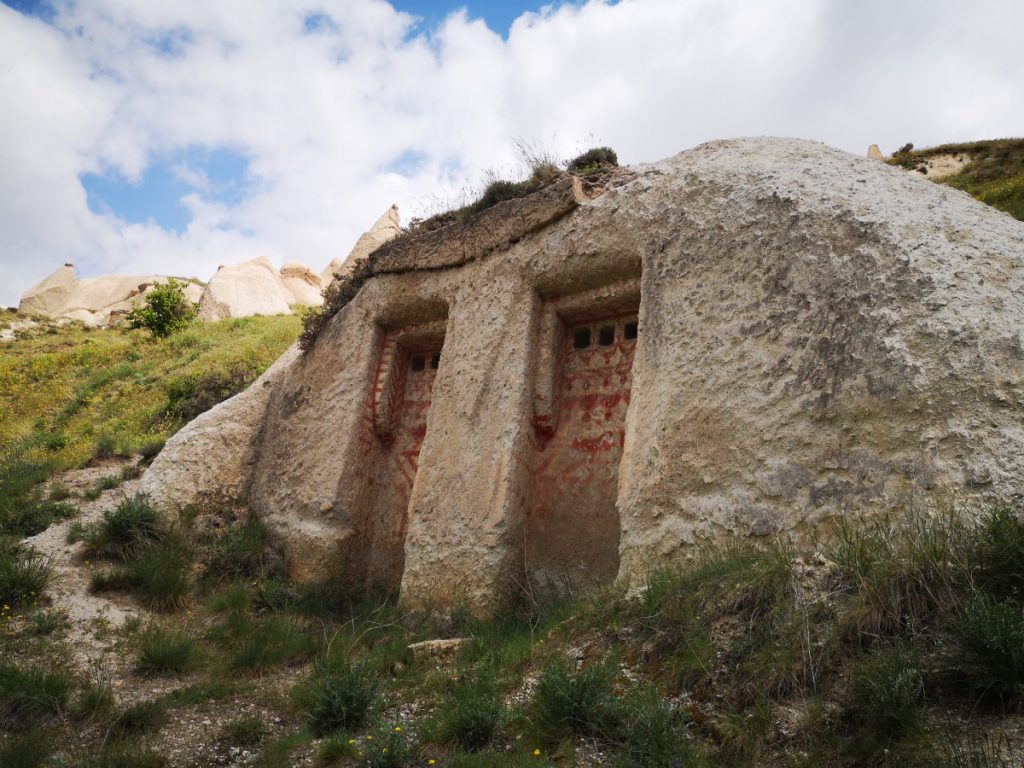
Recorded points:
(94, 301)
(48, 297)
(757, 337)
(251, 288)
(302, 283)
(385, 228)
(874, 153)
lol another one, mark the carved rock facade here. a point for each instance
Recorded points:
(754, 337)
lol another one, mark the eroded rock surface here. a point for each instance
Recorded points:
(755, 337)
(253, 287)
(384, 229)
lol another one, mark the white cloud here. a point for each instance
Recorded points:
(323, 115)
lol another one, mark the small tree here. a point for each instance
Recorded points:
(165, 311)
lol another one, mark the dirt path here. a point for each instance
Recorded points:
(92, 617)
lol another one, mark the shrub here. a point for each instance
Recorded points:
(389, 748)
(188, 396)
(24, 574)
(580, 702)
(341, 696)
(27, 750)
(106, 446)
(245, 731)
(144, 717)
(998, 554)
(653, 737)
(32, 696)
(159, 575)
(165, 310)
(887, 693)
(95, 700)
(240, 552)
(471, 712)
(273, 642)
(992, 638)
(593, 160)
(124, 530)
(163, 650)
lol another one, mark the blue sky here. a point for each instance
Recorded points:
(157, 195)
(155, 137)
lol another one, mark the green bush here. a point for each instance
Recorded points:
(389, 748)
(144, 717)
(24, 574)
(245, 731)
(341, 696)
(887, 695)
(580, 702)
(998, 554)
(592, 160)
(260, 646)
(992, 636)
(122, 533)
(26, 750)
(32, 696)
(240, 552)
(654, 736)
(165, 311)
(188, 396)
(471, 712)
(158, 575)
(163, 650)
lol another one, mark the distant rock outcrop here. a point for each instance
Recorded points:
(302, 283)
(253, 287)
(49, 296)
(94, 300)
(385, 228)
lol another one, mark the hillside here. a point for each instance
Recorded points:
(993, 173)
(70, 394)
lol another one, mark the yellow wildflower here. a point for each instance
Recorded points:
(398, 729)
(536, 752)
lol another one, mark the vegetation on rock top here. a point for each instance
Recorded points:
(994, 175)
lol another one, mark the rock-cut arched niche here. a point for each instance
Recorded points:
(582, 390)
(400, 401)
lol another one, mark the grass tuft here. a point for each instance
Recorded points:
(163, 650)
(341, 696)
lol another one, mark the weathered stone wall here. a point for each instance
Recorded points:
(820, 336)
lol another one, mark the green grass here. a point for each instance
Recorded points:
(241, 551)
(73, 395)
(994, 175)
(158, 574)
(143, 717)
(471, 711)
(26, 750)
(340, 697)
(245, 731)
(33, 695)
(123, 531)
(581, 702)
(24, 575)
(165, 651)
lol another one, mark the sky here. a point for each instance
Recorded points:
(155, 137)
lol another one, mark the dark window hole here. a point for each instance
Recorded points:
(581, 338)
(606, 335)
(629, 331)
(435, 360)
(418, 363)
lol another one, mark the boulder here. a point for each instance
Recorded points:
(756, 337)
(303, 284)
(385, 228)
(251, 288)
(48, 297)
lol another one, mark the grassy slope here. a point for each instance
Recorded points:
(69, 393)
(995, 174)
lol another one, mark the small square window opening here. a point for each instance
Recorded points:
(435, 360)
(606, 335)
(630, 330)
(581, 338)
(418, 363)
